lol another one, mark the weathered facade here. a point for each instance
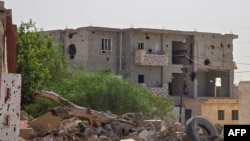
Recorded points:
(185, 65)
(244, 97)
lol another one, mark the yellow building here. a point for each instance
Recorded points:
(217, 110)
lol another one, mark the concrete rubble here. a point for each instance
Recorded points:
(49, 127)
(52, 128)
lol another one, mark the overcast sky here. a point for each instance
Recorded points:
(220, 16)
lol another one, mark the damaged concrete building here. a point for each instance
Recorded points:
(10, 83)
(194, 68)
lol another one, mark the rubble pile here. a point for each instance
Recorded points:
(128, 127)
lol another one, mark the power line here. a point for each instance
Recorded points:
(242, 72)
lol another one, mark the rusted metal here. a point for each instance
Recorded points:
(11, 44)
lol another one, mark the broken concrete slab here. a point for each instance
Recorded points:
(26, 133)
(45, 123)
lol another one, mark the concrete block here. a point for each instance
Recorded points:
(26, 133)
(45, 123)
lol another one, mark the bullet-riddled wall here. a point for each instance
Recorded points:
(173, 62)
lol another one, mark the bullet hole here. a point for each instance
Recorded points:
(213, 36)
(202, 35)
(82, 40)
(71, 35)
(167, 45)
(107, 59)
(223, 55)
(206, 62)
(228, 45)
(221, 44)
(147, 37)
(72, 51)
(212, 46)
(150, 50)
(184, 70)
(212, 52)
(192, 76)
(13, 83)
(93, 32)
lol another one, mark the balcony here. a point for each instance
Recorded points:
(143, 58)
(161, 91)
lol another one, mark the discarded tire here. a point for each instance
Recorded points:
(219, 128)
(198, 128)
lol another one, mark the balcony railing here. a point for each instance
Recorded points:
(143, 58)
(161, 91)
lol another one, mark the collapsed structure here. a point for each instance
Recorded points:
(195, 68)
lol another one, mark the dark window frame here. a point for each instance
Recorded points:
(141, 78)
(140, 45)
(221, 115)
(106, 44)
(235, 115)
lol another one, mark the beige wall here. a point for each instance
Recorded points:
(244, 97)
(209, 108)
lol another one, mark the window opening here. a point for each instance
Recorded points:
(235, 114)
(220, 114)
(140, 78)
(72, 51)
(140, 45)
(106, 44)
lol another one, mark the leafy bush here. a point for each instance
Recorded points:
(107, 92)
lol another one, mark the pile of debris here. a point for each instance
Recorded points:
(70, 122)
(129, 126)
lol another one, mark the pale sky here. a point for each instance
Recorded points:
(220, 16)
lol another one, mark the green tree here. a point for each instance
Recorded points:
(39, 61)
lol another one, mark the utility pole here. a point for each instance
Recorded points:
(184, 75)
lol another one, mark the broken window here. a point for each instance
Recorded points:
(140, 45)
(178, 52)
(140, 78)
(220, 114)
(235, 115)
(106, 44)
